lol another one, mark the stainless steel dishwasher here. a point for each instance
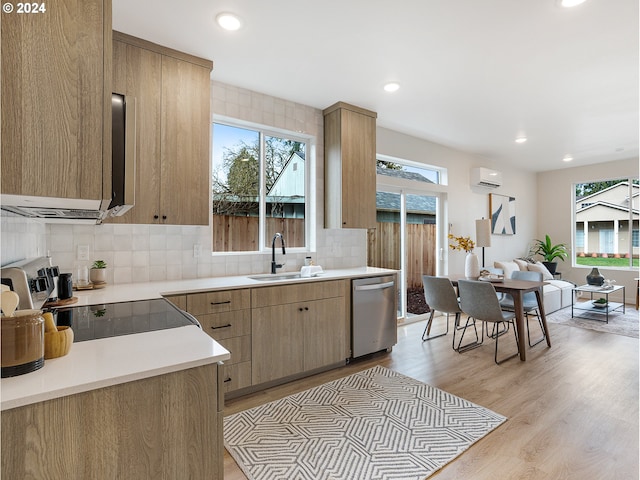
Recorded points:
(373, 315)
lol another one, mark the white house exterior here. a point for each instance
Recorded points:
(602, 221)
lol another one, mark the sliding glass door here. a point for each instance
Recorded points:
(406, 238)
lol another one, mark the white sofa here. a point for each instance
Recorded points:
(556, 293)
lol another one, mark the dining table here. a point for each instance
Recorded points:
(517, 289)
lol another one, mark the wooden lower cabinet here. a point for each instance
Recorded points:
(293, 338)
(164, 427)
(275, 332)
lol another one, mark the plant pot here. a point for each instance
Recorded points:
(551, 266)
(97, 275)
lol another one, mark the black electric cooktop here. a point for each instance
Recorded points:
(124, 318)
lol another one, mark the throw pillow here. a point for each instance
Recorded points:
(522, 264)
(539, 267)
(507, 267)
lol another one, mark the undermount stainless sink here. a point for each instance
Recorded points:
(268, 277)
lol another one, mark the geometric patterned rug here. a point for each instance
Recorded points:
(375, 424)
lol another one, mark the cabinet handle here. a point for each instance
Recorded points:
(227, 380)
(221, 326)
(303, 308)
(221, 303)
(155, 217)
(164, 217)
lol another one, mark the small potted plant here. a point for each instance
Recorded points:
(550, 252)
(98, 271)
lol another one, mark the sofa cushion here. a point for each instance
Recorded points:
(522, 264)
(539, 267)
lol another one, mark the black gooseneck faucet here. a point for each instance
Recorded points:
(275, 265)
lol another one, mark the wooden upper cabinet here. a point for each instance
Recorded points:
(350, 167)
(186, 127)
(56, 101)
(173, 125)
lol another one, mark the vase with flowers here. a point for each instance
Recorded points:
(471, 263)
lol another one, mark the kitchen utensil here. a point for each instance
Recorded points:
(58, 342)
(9, 302)
(22, 343)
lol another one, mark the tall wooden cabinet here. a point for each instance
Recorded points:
(56, 101)
(172, 97)
(350, 167)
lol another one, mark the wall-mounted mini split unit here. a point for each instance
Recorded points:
(485, 177)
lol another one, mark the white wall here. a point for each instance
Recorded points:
(555, 207)
(466, 203)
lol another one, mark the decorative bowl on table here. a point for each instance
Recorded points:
(600, 303)
(491, 277)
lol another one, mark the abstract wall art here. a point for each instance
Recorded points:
(503, 214)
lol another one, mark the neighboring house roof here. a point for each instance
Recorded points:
(402, 174)
(415, 203)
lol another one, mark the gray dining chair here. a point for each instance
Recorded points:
(479, 301)
(529, 303)
(441, 296)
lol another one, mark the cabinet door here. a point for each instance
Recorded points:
(350, 167)
(186, 124)
(324, 333)
(277, 346)
(358, 170)
(56, 101)
(137, 72)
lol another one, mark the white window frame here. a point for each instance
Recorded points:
(309, 183)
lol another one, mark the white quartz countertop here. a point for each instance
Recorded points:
(144, 291)
(111, 361)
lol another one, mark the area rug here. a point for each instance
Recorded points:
(375, 424)
(619, 323)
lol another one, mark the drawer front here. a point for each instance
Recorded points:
(236, 376)
(239, 347)
(280, 295)
(216, 302)
(226, 325)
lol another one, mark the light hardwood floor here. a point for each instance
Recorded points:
(572, 409)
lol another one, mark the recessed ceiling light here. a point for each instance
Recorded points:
(228, 21)
(570, 3)
(391, 87)
(567, 158)
(521, 139)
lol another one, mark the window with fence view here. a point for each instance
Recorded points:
(259, 183)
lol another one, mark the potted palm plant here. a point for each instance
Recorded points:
(550, 252)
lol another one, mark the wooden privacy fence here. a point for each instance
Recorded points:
(235, 234)
(383, 249)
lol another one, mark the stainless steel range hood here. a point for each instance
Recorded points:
(55, 210)
(75, 210)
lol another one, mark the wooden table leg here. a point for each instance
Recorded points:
(519, 311)
(543, 316)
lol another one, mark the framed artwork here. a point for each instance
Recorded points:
(503, 214)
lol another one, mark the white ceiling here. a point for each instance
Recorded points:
(474, 74)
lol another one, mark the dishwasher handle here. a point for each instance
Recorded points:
(375, 286)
